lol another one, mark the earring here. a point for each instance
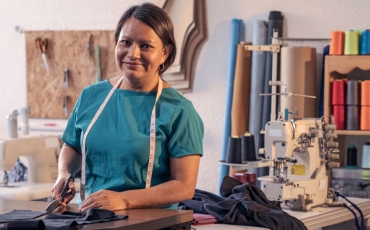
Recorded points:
(161, 67)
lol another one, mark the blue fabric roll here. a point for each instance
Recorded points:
(365, 42)
(275, 22)
(236, 29)
(321, 106)
(258, 73)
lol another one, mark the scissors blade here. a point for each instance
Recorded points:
(52, 206)
(44, 59)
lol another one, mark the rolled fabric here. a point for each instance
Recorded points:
(241, 95)
(337, 43)
(365, 42)
(275, 22)
(236, 28)
(258, 73)
(298, 72)
(351, 42)
(322, 86)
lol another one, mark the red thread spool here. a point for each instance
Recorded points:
(338, 102)
(251, 178)
(240, 177)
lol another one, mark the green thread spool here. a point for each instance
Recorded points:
(351, 43)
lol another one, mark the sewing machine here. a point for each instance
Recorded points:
(301, 152)
(40, 153)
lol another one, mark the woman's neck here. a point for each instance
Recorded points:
(140, 85)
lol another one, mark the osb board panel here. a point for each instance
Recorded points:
(66, 49)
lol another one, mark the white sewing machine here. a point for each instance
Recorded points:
(40, 152)
(301, 152)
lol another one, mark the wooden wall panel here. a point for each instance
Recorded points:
(66, 49)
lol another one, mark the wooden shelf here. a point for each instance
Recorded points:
(353, 132)
(341, 64)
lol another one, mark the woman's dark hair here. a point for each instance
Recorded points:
(158, 20)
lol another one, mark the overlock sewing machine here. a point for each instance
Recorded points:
(39, 151)
(301, 151)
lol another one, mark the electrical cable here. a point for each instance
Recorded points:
(363, 227)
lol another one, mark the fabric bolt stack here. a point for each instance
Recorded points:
(351, 42)
(351, 104)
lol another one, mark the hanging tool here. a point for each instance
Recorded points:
(66, 78)
(98, 63)
(42, 44)
(65, 105)
(65, 193)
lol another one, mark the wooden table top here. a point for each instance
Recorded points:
(138, 219)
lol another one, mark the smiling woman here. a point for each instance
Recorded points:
(136, 140)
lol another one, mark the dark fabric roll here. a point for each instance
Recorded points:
(248, 148)
(321, 107)
(275, 22)
(234, 154)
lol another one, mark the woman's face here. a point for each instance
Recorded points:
(139, 51)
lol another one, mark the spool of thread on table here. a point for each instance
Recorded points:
(351, 42)
(338, 102)
(234, 150)
(352, 157)
(248, 148)
(365, 105)
(365, 163)
(337, 43)
(251, 178)
(353, 105)
(365, 42)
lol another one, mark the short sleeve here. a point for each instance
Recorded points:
(71, 135)
(186, 131)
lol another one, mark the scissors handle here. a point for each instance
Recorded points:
(64, 192)
(42, 44)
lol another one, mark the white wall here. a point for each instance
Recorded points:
(310, 19)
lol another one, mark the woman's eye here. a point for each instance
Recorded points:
(146, 46)
(124, 42)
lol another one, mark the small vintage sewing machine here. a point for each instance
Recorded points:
(301, 152)
(39, 151)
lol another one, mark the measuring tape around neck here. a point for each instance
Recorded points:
(152, 138)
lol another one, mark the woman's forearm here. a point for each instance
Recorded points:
(69, 161)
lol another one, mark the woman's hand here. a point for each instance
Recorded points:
(58, 187)
(104, 199)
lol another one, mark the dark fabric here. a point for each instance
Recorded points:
(20, 215)
(242, 204)
(53, 221)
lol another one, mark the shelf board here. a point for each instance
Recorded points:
(353, 132)
(248, 165)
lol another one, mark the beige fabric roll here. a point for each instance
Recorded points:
(241, 93)
(298, 72)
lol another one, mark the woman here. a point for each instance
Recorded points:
(137, 139)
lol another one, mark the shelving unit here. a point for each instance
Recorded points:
(344, 65)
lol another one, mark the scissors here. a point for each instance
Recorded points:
(65, 193)
(42, 44)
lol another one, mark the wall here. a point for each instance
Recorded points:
(309, 19)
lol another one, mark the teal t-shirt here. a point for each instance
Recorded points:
(117, 147)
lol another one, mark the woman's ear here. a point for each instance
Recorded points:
(166, 52)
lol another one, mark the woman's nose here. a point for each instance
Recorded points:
(134, 52)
